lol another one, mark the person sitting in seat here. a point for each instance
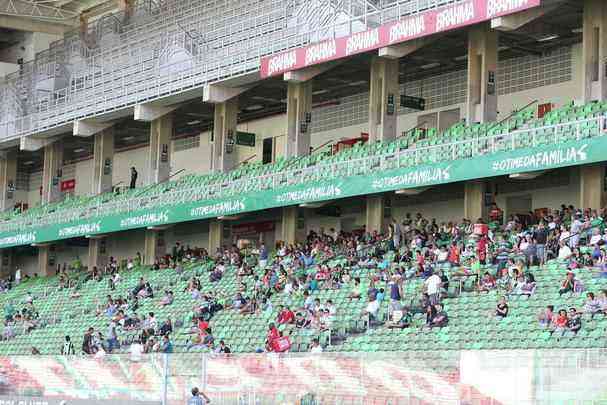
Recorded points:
(547, 317)
(568, 285)
(440, 319)
(574, 324)
(167, 299)
(501, 311)
(400, 319)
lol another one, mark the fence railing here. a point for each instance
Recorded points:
(410, 157)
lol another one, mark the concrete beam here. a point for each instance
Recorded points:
(406, 48)
(33, 144)
(149, 113)
(30, 25)
(215, 94)
(305, 74)
(515, 21)
(88, 128)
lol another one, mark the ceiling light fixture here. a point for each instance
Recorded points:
(194, 122)
(547, 38)
(430, 65)
(461, 58)
(322, 91)
(29, 162)
(357, 83)
(78, 150)
(254, 107)
(128, 138)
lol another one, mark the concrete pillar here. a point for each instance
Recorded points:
(384, 96)
(6, 262)
(223, 155)
(98, 256)
(46, 260)
(52, 172)
(482, 74)
(375, 213)
(215, 236)
(8, 181)
(592, 186)
(154, 240)
(289, 224)
(474, 200)
(299, 118)
(161, 131)
(594, 54)
(103, 161)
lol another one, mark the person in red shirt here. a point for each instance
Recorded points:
(560, 323)
(496, 214)
(454, 254)
(285, 316)
(272, 335)
(481, 249)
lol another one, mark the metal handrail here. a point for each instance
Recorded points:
(226, 188)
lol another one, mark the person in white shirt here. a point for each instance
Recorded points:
(136, 351)
(17, 276)
(564, 252)
(433, 285)
(372, 310)
(316, 347)
(576, 228)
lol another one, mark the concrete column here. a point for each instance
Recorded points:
(46, 260)
(384, 96)
(594, 54)
(161, 131)
(474, 200)
(223, 156)
(299, 118)
(8, 181)
(98, 256)
(592, 186)
(482, 74)
(103, 161)
(375, 213)
(215, 235)
(52, 172)
(6, 262)
(151, 251)
(289, 224)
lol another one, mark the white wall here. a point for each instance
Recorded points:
(7, 68)
(443, 211)
(123, 245)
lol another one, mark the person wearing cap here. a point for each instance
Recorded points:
(198, 398)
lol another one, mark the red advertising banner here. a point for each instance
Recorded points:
(412, 27)
(68, 185)
(253, 227)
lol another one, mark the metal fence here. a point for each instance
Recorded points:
(410, 157)
(450, 377)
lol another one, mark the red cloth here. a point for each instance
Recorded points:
(286, 316)
(453, 254)
(203, 325)
(481, 248)
(561, 321)
(282, 344)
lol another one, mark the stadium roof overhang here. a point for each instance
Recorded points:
(560, 25)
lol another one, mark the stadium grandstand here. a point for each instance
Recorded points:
(304, 202)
